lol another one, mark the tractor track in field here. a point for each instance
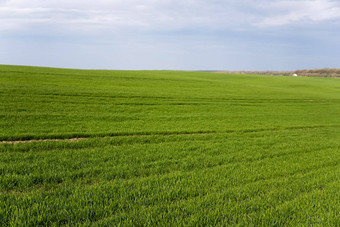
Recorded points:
(157, 134)
(101, 137)
(42, 140)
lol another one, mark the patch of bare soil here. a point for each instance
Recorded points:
(42, 140)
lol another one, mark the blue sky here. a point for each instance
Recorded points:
(171, 34)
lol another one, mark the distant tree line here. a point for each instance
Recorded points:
(303, 72)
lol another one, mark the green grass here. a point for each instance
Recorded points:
(168, 148)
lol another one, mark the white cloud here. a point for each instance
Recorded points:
(122, 14)
(300, 12)
(156, 15)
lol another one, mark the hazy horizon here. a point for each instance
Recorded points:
(193, 70)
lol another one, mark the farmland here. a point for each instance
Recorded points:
(155, 148)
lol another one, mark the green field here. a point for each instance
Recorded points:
(168, 148)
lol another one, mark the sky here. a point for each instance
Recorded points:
(171, 34)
